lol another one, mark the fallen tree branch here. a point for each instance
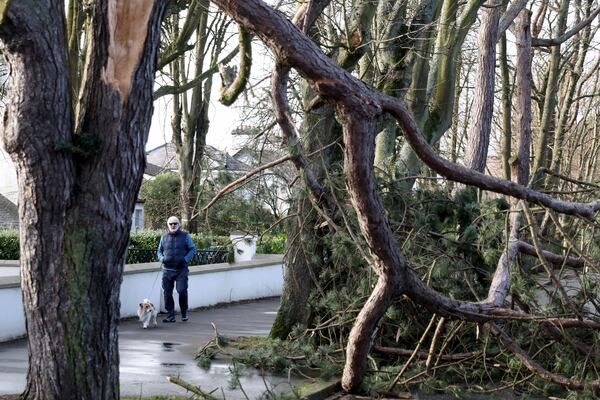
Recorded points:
(359, 108)
(556, 259)
(413, 354)
(436, 336)
(556, 332)
(538, 248)
(500, 284)
(468, 176)
(569, 241)
(422, 355)
(304, 18)
(534, 366)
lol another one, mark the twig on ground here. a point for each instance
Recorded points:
(414, 354)
(438, 332)
(190, 388)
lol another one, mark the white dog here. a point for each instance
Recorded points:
(147, 313)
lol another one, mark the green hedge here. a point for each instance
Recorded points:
(143, 245)
(9, 244)
(271, 244)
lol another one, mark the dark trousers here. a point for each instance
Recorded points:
(178, 279)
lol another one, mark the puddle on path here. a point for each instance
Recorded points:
(144, 369)
(168, 346)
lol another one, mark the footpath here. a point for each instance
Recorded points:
(149, 355)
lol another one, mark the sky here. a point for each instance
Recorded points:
(222, 121)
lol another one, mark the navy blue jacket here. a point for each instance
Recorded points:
(176, 249)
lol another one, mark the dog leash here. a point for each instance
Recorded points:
(155, 279)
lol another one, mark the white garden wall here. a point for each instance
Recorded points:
(208, 285)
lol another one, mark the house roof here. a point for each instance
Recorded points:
(9, 213)
(152, 169)
(251, 156)
(163, 158)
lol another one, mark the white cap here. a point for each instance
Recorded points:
(173, 220)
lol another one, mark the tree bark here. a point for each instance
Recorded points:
(542, 156)
(388, 262)
(582, 46)
(506, 110)
(305, 248)
(523, 87)
(78, 184)
(501, 281)
(436, 118)
(481, 126)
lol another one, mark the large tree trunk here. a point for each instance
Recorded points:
(481, 127)
(541, 155)
(582, 47)
(305, 248)
(436, 118)
(306, 252)
(523, 97)
(78, 183)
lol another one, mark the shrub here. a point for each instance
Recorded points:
(9, 244)
(161, 199)
(143, 244)
(271, 244)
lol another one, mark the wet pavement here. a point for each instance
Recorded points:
(148, 356)
(9, 268)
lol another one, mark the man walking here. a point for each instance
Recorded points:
(175, 251)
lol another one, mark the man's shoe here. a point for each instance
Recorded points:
(169, 319)
(184, 317)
